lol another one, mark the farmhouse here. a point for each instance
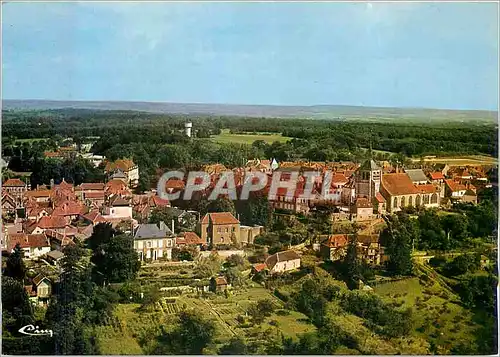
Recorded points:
(33, 245)
(283, 261)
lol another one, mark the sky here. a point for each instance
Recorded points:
(431, 55)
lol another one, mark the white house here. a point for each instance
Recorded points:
(33, 245)
(118, 207)
(283, 261)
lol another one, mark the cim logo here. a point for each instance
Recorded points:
(31, 330)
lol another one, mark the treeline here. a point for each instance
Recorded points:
(408, 138)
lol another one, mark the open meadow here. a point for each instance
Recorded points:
(226, 137)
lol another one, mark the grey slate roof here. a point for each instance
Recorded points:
(416, 175)
(151, 230)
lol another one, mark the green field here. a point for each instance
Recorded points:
(227, 137)
(438, 316)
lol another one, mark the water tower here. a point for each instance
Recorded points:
(187, 128)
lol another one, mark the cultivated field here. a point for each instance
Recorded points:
(463, 161)
(135, 330)
(227, 137)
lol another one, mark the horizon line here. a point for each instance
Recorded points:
(250, 105)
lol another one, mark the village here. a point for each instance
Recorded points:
(46, 219)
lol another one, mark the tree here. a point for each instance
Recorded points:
(191, 336)
(351, 263)
(102, 234)
(236, 346)
(398, 237)
(221, 204)
(15, 267)
(207, 267)
(115, 261)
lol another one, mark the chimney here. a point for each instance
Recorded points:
(52, 183)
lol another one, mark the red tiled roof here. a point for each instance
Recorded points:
(220, 218)
(39, 193)
(455, 186)
(339, 179)
(94, 195)
(379, 197)
(363, 202)
(122, 164)
(157, 201)
(189, 238)
(117, 187)
(175, 184)
(13, 182)
(398, 184)
(49, 222)
(28, 240)
(91, 186)
(437, 176)
(68, 208)
(428, 188)
(337, 240)
(260, 267)
(94, 217)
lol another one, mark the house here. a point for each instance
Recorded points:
(469, 197)
(55, 256)
(379, 204)
(57, 223)
(118, 207)
(218, 284)
(283, 261)
(117, 187)
(9, 204)
(153, 241)
(41, 289)
(454, 189)
(219, 228)
(248, 234)
(417, 176)
(369, 249)
(335, 247)
(363, 209)
(90, 189)
(15, 187)
(399, 191)
(33, 245)
(127, 167)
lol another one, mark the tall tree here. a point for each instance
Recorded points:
(399, 237)
(351, 263)
(15, 267)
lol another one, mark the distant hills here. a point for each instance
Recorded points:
(309, 112)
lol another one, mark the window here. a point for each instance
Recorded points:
(149, 244)
(234, 229)
(227, 229)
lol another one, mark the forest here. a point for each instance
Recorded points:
(156, 141)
